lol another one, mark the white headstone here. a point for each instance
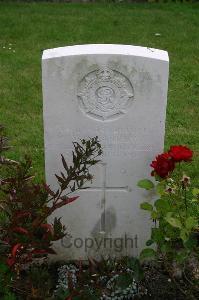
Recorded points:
(118, 93)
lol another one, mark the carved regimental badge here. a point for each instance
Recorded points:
(105, 94)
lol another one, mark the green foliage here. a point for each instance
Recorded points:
(147, 253)
(160, 187)
(9, 296)
(5, 282)
(175, 214)
(146, 206)
(176, 217)
(175, 222)
(146, 184)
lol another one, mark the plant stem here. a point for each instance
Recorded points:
(185, 199)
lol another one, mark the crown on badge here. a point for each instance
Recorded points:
(104, 74)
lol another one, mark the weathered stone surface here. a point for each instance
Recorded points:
(118, 93)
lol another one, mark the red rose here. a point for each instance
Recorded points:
(163, 165)
(179, 153)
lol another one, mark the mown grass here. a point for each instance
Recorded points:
(27, 29)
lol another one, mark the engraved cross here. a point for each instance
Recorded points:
(104, 189)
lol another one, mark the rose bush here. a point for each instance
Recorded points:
(175, 214)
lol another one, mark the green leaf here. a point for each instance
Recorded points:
(157, 235)
(191, 242)
(173, 221)
(190, 223)
(9, 296)
(147, 254)
(146, 184)
(146, 206)
(149, 242)
(184, 234)
(162, 205)
(134, 264)
(195, 200)
(160, 188)
(124, 281)
(165, 248)
(4, 268)
(181, 255)
(195, 192)
(154, 215)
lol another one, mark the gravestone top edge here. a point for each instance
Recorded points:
(106, 49)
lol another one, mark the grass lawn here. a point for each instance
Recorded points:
(27, 29)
